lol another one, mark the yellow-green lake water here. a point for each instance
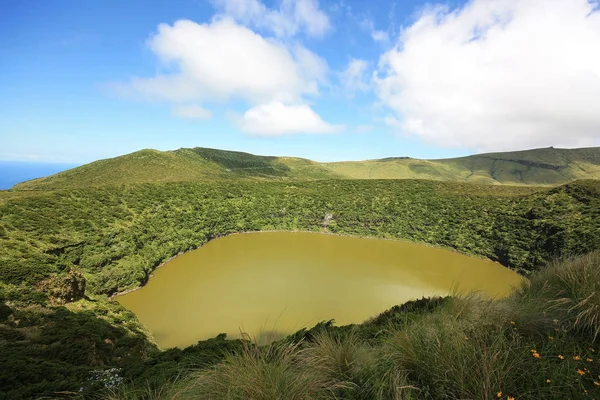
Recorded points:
(278, 282)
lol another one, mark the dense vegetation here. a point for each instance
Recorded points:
(65, 251)
(116, 236)
(540, 166)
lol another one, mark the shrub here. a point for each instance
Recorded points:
(65, 288)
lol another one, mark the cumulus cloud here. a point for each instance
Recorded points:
(497, 75)
(191, 111)
(223, 60)
(292, 17)
(354, 77)
(276, 119)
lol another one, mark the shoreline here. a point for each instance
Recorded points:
(321, 232)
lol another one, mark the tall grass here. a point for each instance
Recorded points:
(539, 343)
(568, 293)
(276, 371)
(456, 352)
(131, 392)
(338, 360)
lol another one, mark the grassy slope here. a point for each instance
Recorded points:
(143, 166)
(183, 165)
(532, 167)
(539, 166)
(397, 169)
(547, 166)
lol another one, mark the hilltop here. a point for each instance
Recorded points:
(548, 166)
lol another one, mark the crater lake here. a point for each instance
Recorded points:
(269, 284)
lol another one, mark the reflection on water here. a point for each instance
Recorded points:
(280, 282)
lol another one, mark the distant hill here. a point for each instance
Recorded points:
(548, 166)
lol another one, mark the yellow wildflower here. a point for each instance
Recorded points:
(512, 322)
(576, 358)
(536, 355)
(589, 359)
(499, 394)
(580, 372)
(561, 356)
(548, 381)
(596, 383)
(510, 398)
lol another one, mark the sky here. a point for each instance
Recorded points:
(323, 79)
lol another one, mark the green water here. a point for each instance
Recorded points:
(274, 283)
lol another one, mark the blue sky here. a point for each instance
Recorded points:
(326, 80)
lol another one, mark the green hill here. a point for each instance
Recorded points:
(183, 165)
(539, 166)
(547, 166)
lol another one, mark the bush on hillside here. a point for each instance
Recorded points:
(64, 288)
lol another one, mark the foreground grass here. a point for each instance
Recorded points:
(541, 342)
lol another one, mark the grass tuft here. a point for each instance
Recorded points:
(567, 294)
(268, 372)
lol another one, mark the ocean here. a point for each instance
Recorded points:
(13, 172)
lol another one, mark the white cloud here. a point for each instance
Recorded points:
(354, 77)
(380, 36)
(292, 16)
(368, 26)
(497, 75)
(221, 61)
(191, 111)
(276, 119)
(312, 67)
(308, 15)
